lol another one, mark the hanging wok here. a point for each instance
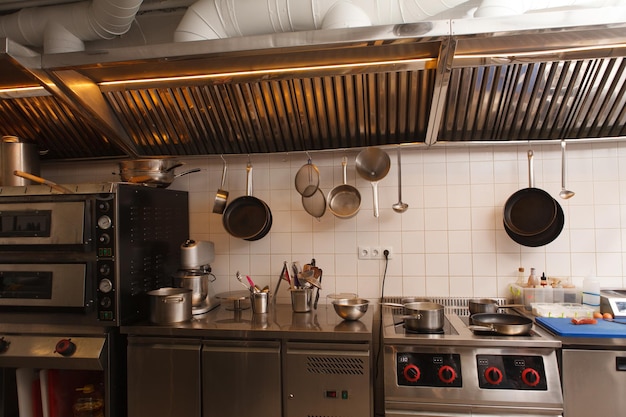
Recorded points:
(530, 211)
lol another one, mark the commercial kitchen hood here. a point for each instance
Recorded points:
(540, 76)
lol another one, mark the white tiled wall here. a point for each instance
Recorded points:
(450, 242)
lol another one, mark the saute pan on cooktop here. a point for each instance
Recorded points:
(501, 324)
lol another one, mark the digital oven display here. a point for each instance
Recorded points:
(26, 285)
(25, 223)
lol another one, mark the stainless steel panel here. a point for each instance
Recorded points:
(314, 371)
(66, 223)
(241, 378)
(68, 285)
(592, 384)
(164, 377)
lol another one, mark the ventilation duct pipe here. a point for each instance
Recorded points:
(491, 8)
(214, 19)
(65, 28)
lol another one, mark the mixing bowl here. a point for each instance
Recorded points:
(351, 308)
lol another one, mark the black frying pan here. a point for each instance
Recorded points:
(543, 238)
(501, 324)
(530, 211)
(247, 217)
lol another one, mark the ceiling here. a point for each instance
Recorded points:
(425, 83)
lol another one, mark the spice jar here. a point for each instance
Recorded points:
(89, 402)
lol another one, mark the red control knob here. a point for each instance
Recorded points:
(65, 347)
(4, 345)
(411, 373)
(493, 375)
(447, 374)
(530, 377)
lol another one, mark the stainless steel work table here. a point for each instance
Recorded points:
(280, 322)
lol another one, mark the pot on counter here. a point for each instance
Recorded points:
(170, 305)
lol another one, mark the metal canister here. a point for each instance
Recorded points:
(17, 155)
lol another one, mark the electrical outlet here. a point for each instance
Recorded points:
(376, 253)
(365, 252)
(386, 248)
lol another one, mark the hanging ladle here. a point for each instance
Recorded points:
(400, 207)
(565, 193)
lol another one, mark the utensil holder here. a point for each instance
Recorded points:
(301, 300)
(259, 302)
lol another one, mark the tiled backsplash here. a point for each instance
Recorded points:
(450, 242)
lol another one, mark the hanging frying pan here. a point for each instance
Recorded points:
(543, 238)
(530, 211)
(344, 201)
(247, 217)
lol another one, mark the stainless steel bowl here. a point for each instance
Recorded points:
(351, 308)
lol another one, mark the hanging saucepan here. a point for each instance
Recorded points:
(501, 324)
(530, 211)
(247, 217)
(344, 201)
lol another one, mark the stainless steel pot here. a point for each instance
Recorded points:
(157, 172)
(487, 305)
(422, 316)
(17, 155)
(170, 305)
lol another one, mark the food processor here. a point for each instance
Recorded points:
(195, 274)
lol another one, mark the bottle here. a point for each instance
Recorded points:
(591, 293)
(544, 280)
(521, 277)
(89, 402)
(533, 280)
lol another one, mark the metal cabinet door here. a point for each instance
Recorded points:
(241, 378)
(328, 379)
(163, 377)
(593, 383)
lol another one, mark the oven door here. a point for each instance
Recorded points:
(42, 223)
(43, 285)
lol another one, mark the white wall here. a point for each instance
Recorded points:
(450, 242)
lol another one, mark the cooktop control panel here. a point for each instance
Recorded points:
(429, 369)
(511, 372)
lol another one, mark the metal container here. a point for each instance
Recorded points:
(259, 302)
(197, 282)
(352, 308)
(17, 155)
(301, 299)
(170, 305)
(423, 316)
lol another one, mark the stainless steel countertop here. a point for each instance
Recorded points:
(280, 322)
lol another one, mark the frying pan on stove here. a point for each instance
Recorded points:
(501, 324)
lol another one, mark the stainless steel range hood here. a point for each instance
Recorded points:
(540, 76)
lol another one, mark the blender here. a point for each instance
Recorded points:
(195, 274)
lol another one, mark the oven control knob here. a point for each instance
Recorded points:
(104, 238)
(4, 345)
(104, 206)
(105, 269)
(493, 375)
(447, 374)
(65, 347)
(411, 373)
(530, 377)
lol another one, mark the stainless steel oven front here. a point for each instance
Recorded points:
(73, 268)
(95, 252)
(456, 372)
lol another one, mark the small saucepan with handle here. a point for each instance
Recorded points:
(487, 305)
(421, 316)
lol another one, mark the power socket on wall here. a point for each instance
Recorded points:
(374, 252)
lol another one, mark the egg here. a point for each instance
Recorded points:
(597, 315)
(607, 316)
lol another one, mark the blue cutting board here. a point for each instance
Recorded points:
(565, 327)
